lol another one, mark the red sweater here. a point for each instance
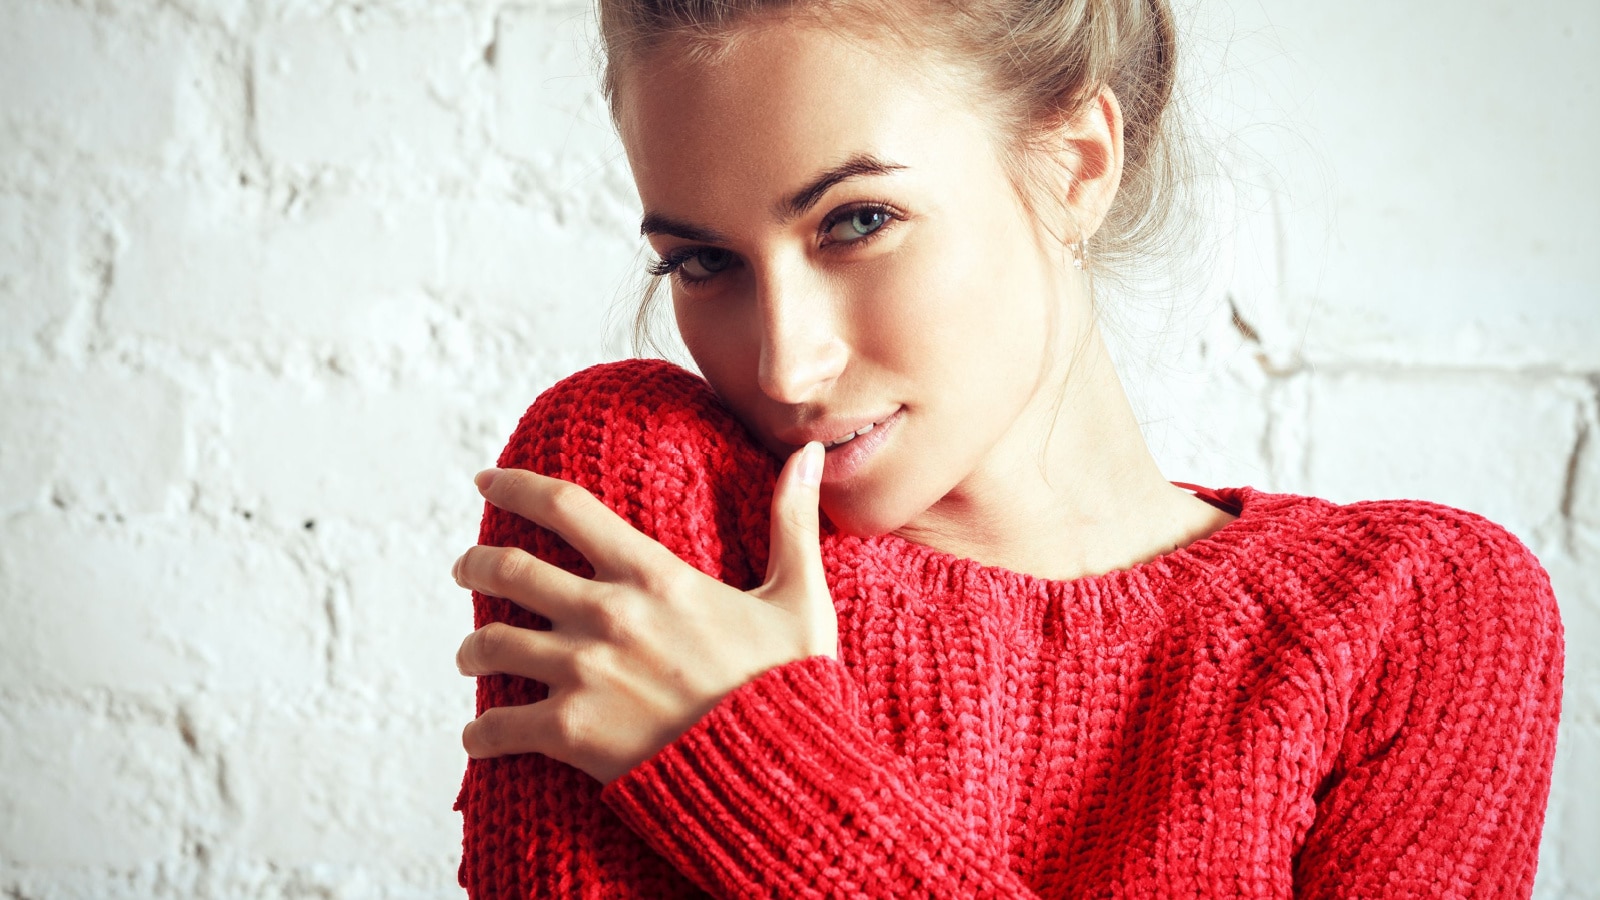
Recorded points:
(1316, 700)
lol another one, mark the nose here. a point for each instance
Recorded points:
(801, 348)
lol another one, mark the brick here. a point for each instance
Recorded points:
(401, 880)
(349, 453)
(1572, 579)
(153, 608)
(1406, 313)
(352, 268)
(196, 270)
(547, 93)
(35, 297)
(186, 271)
(520, 267)
(1585, 488)
(89, 84)
(1568, 865)
(1399, 248)
(1197, 387)
(111, 442)
(381, 796)
(1205, 426)
(1250, 313)
(79, 789)
(346, 91)
(55, 882)
(407, 618)
(1497, 446)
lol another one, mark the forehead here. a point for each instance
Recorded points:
(782, 101)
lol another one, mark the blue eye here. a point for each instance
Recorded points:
(865, 222)
(877, 215)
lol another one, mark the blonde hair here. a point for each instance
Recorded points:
(1034, 63)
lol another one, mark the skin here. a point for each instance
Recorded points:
(1015, 443)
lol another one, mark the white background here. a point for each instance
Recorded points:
(277, 278)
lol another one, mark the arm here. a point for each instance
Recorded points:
(683, 472)
(781, 792)
(535, 826)
(1441, 780)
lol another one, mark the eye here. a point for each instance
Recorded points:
(711, 259)
(844, 228)
(860, 222)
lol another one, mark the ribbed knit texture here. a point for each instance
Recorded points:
(1317, 700)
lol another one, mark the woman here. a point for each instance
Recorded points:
(1014, 660)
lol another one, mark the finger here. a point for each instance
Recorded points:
(503, 730)
(525, 580)
(795, 556)
(534, 728)
(607, 540)
(501, 649)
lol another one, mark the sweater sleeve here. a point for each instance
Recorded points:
(650, 441)
(781, 789)
(1440, 782)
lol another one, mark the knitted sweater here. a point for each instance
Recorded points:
(1316, 700)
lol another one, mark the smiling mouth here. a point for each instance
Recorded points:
(850, 437)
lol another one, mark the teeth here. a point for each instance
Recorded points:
(853, 435)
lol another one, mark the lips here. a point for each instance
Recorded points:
(852, 452)
(833, 431)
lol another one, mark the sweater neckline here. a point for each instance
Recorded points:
(1142, 585)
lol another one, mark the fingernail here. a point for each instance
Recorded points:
(811, 464)
(455, 569)
(485, 478)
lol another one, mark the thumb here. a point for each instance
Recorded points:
(796, 580)
(794, 560)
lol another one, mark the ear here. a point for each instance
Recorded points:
(1088, 146)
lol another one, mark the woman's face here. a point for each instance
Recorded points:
(916, 296)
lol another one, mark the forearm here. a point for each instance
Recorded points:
(781, 791)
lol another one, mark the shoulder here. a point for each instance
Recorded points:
(1441, 544)
(655, 443)
(1413, 586)
(1382, 579)
(1444, 647)
(1473, 582)
(1391, 544)
(602, 411)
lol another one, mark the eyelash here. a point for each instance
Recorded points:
(670, 263)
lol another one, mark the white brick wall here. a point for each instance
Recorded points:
(277, 278)
(338, 90)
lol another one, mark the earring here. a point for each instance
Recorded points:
(1080, 252)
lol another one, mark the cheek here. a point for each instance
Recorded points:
(943, 300)
(889, 314)
(901, 306)
(714, 334)
(725, 348)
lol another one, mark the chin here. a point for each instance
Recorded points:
(861, 519)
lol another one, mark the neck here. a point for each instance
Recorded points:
(1075, 492)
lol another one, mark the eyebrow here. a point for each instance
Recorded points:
(856, 166)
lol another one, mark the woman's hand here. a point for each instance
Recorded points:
(642, 651)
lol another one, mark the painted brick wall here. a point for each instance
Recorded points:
(276, 278)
